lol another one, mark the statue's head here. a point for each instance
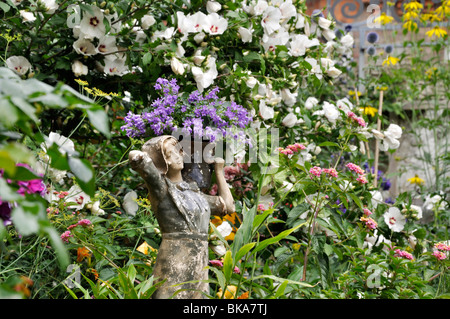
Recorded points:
(165, 152)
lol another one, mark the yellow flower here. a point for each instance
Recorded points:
(352, 93)
(410, 25)
(145, 248)
(370, 110)
(437, 31)
(413, 5)
(444, 9)
(230, 292)
(383, 19)
(410, 15)
(390, 60)
(81, 82)
(416, 180)
(382, 88)
(390, 3)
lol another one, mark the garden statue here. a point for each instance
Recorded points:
(183, 213)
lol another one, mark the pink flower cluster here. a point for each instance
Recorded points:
(330, 171)
(66, 235)
(291, 149)
(82, 222)
(367, 212)
(403, 254)
(362, 179)
(356, 119)
(439, 253)
(355, 168)
(358, 170)
(442, 246)
(370, 223)
(317, 171)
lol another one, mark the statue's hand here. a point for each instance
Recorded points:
(137, 159)
(219, 163)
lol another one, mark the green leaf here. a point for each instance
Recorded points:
(243, 251)
(281, 289)
(127, 287)
(228, 266)
(26, 222)
(244, 233)
(131, 273)
(329, 144)
(99, 120)
(356, 200)
(58, 245)
(276, 239)
(275, 278)
(9, 113)
(4, 7)
(219, 275)
(147, 58)
(81, 168)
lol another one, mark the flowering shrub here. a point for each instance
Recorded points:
(313, 218)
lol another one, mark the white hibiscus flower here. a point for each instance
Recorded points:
(18, 64)
(92, 23)
(394, 219)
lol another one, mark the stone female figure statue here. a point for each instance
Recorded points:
(183, 213)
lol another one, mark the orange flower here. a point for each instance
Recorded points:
(83, 252)
(243, 296)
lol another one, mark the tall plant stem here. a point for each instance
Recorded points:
(311, 230)
(377, 142)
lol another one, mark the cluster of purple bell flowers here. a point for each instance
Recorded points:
(197, 114)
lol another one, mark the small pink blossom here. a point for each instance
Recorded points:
(367, 212)
(370, 223)
(362, 179)
(261, 207)
(355, 168)
(316, 171)
(84, 222)
(403, 254)
(330, 171)
(66, 235)
(296, 147)
(442, 246)
(216, 262)
(439, 255)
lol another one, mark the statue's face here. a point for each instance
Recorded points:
(174, 155)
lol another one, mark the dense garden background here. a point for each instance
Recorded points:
(350, 198)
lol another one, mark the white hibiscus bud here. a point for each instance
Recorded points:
(324, 23)
(79, 68)
(246, 34)
(147, 21)
(27, 16)
(213, 6)
(251, 82)
(334, 72)
(311, 102)
(347, 40)
(129, 203)
(177, 66)
(289, 120)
